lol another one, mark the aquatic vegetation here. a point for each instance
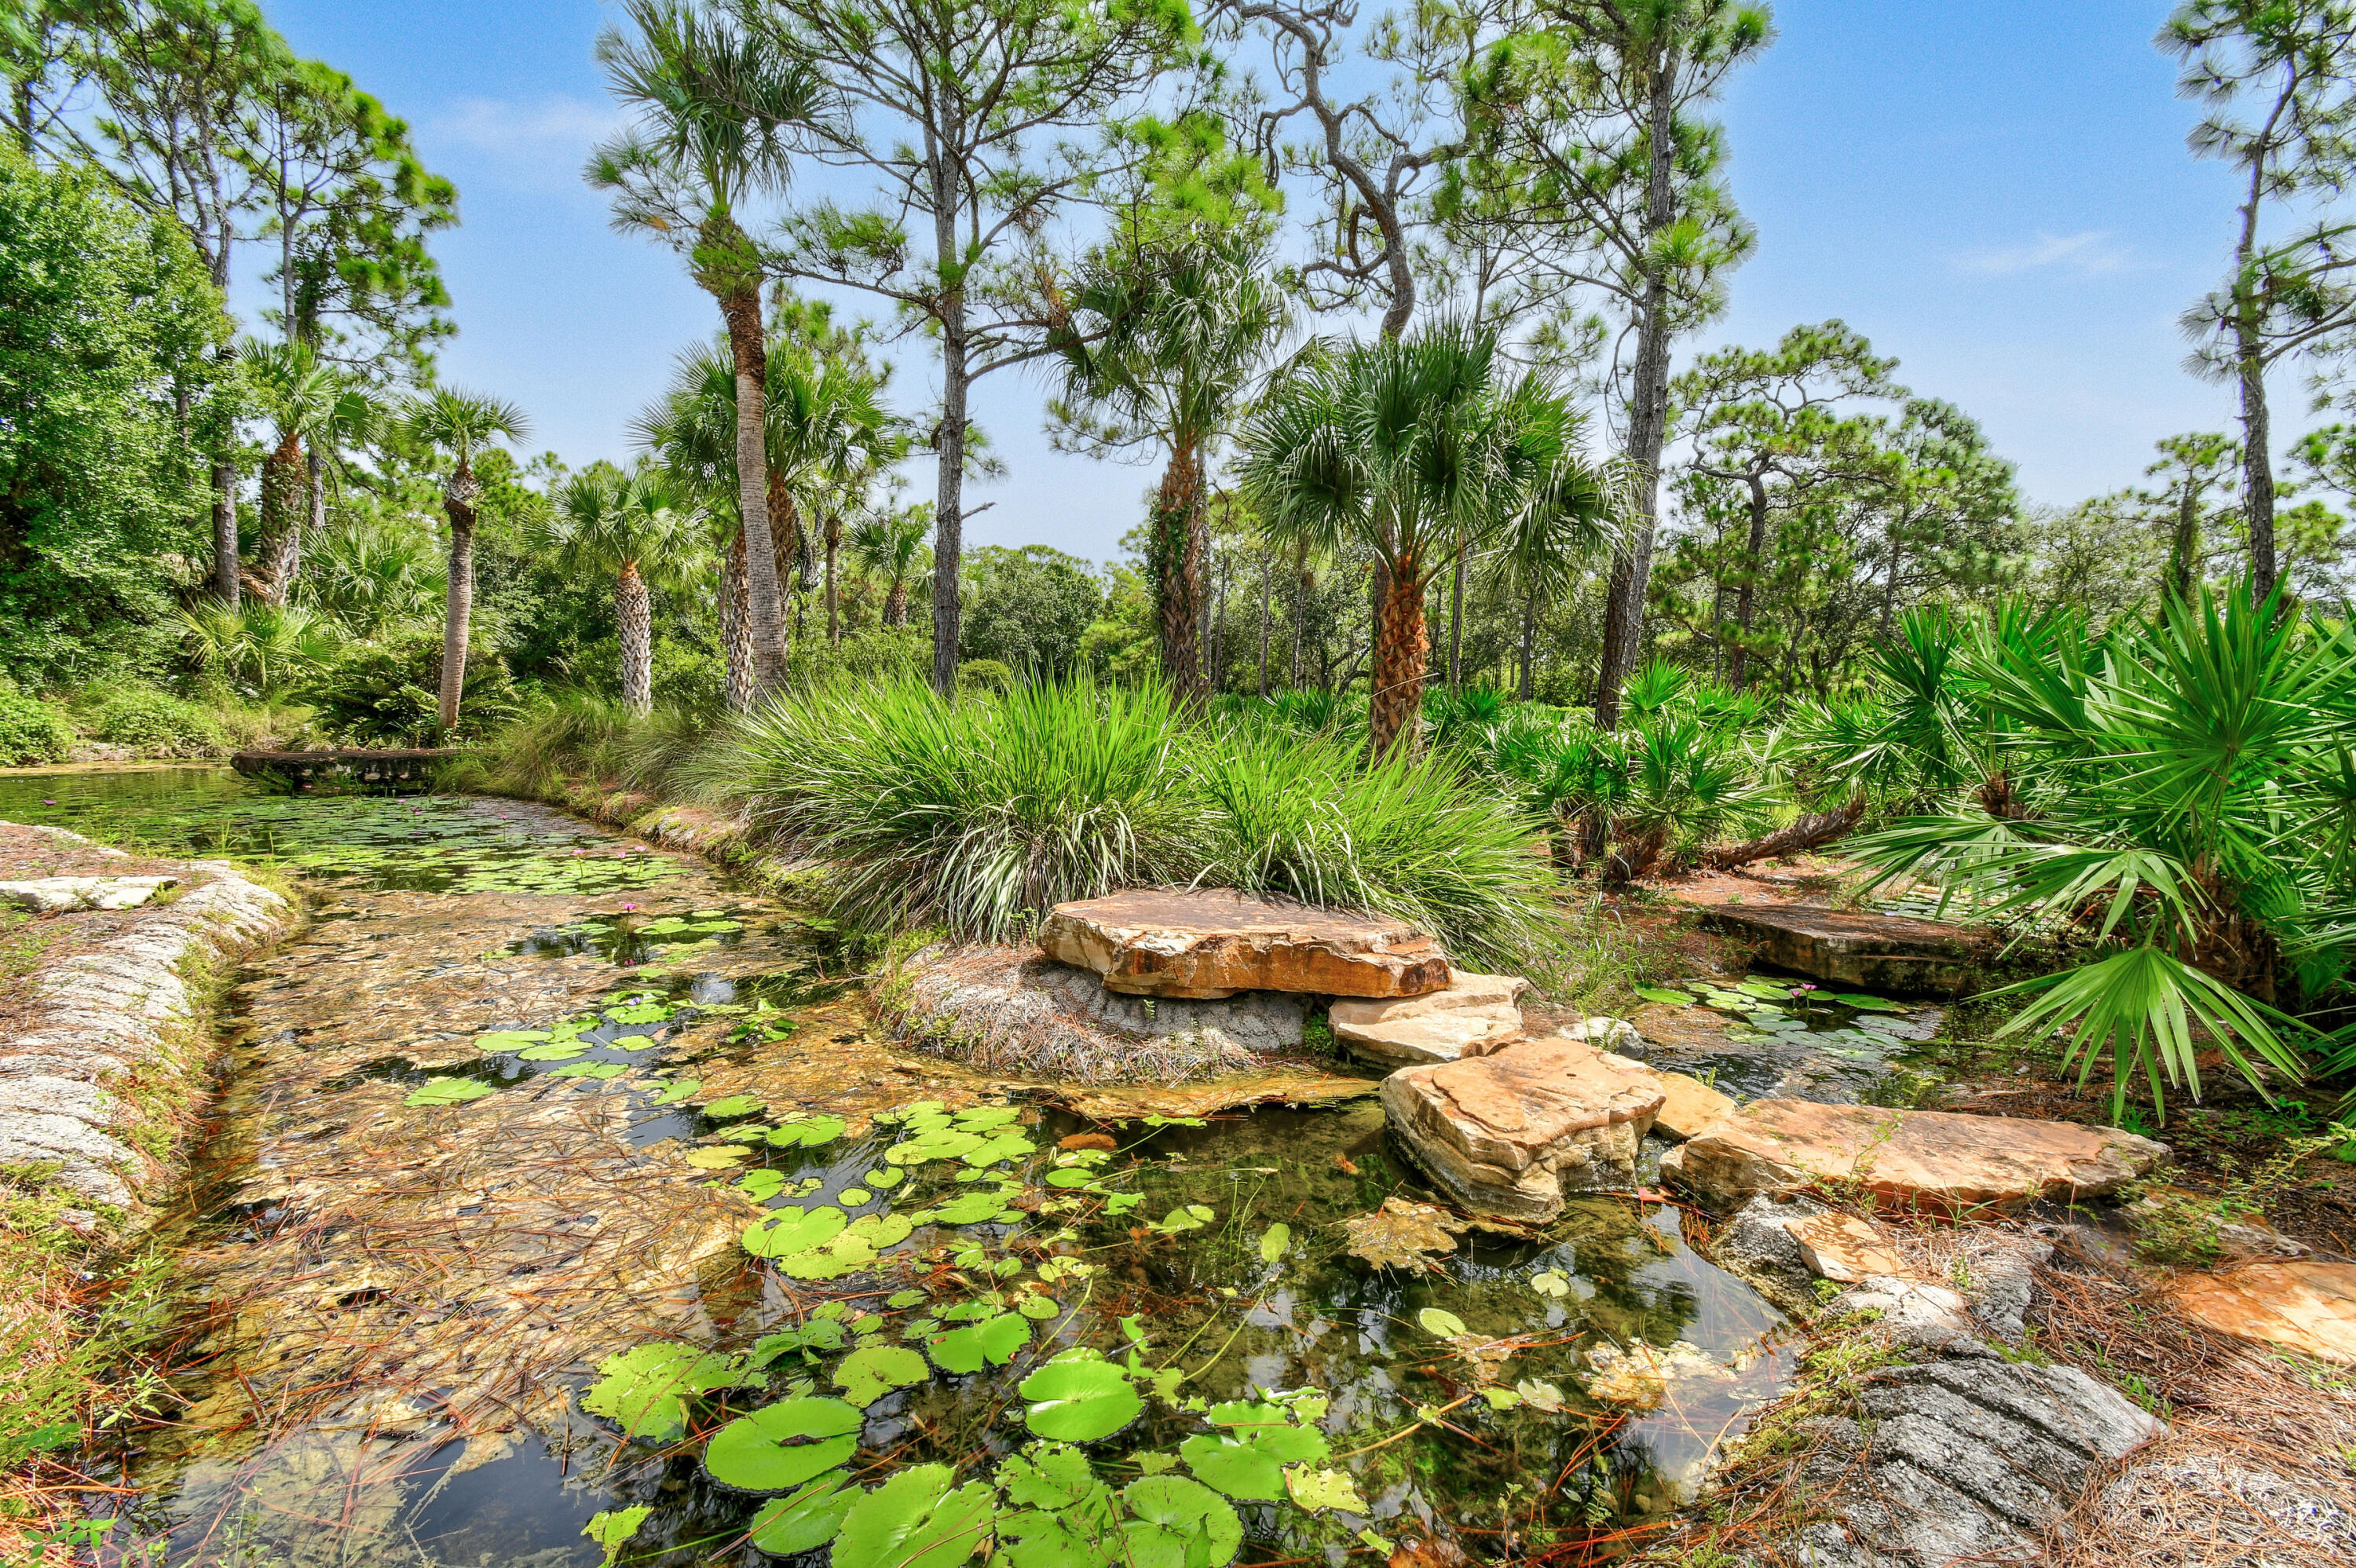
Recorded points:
(448, 1091)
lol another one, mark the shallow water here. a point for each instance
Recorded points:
(395, 1308)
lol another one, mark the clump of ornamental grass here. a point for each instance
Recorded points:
(582, 735)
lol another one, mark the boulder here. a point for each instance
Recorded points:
(1211, 943)
(1688, 1106)
(1510, 1132)
(1472, 1015)
(2307, 1304)
(1756, 1245)
(1845, 1248)
(1005, 1008)
(57, 895)
(1905, 1159)
(1617, 1036)
(1891, 954)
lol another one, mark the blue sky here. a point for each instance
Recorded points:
(1998, 193)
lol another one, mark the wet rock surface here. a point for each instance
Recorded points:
(1211, 943)
(1906, 1160)
(1008, 1010)
(1891, 953)
(1472, 1015)
(1512, 1131)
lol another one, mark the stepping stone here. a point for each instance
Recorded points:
(1885, 954)
(1473, 1016)
(1510, 1133)
(1211, 943)
(55, 895)
(1845, 1248)
(1906, 1160)
(1688, 1106)
(2307, 1305)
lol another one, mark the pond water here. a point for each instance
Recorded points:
(559, 1183)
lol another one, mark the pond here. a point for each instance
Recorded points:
(559, 1183)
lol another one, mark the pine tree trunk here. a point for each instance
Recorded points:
(1264, 575)
(789, 550)
(1402, 651)
(2185, 545)
(946, 203)
(458, 497)
(633, 614)
(226, 564)
(1810, 830)
(2257, 469)
(1745, 597)
(833, 606)
(741, 309)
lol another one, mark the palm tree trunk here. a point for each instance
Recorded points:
(895, 603)
(1402, 651)
(833, 606)
(741, 309)
(633, 614)
(1302, 584)
(785, 537)
(458, 500)
(1456, 626)
(281, 516)
(1529, 643)
(737, 618)
(1178, 574)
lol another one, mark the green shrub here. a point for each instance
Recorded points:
(983, 676)
(388, 695)
(156, 724)
(587, 735)
(31, 730)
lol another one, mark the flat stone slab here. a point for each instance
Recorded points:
(1905, 1159)
(1510, 1132)
(1885, 954)
(57, 895)
(1688, 1106)
(1472, 1015)
(1213, 942)
(1008, 1009)
(2307, 1305)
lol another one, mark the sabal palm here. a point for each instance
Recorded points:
(1162, 345)
(1414, 448)
(828, 435)
(891, 545)
(373, 574)
(646, 532)
(713, 106)
(316, 412)
(461, 426)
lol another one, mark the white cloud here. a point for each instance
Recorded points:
(541, 143)
(2090, 254)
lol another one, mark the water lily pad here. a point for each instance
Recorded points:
(1316, 1490)
(1274, 1242)
(866, 1375)
(1008, 1144)
(883, 1178)
(647, 1012)
(1191, 1217)
(632, 1042)
(1663, 994)
(1179, 1523)
(900, 1300)
(792, 1230)
(971, 1209)
(554, 1051)
(915, 1519)
(1077, 1399)
(1247, 1459)
(1038, 1309)
(982, 1118)
(762, 1185)
(1866, 1004)
(805, 1519)
(1551, 1283)
(1766, 988)
(932, 1145)
(854, 1198)
(716, 1156)
(500, 1041)
(782, 1445)
(810, 1132)
(645, 1390)
(994, 1340)
(677, 1090)
(448, 1091)
(591, 1070)
(1063, 1514)
(1070, 1177)
(1539, 1395)
(735, 1106)
(611, 1529)
(1441, 1323)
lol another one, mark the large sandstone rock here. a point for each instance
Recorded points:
(2307, 1305)
(54, 895)
(1888, 953)
(1213, 942)
(1510, 1132)
(1472, 1015)
(1688, 1106)
(1905, 1159)
(1007, 1009)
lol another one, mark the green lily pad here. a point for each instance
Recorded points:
(806, 1519)
(677, 1090)
(1663, 994)
(591, 1070)
(868, 1374)
(645, 1390)
(1247, 1460)
(1079, 1399)
(1191, 1217)
(554, 1051)
(1178, 1523)
(1008, 1144)
(1063, 1514)
(915, 1519)
(810, 1132)
(719, 1156)
(1277, 1237)
(883, 1178)
(901, 1300)
(993, 1340)
(735, 1106)
(1316, 1490)
(792, 1230)
(611, 1529)
(1766, 988)
(854, 1198)
(942, 1145)
(970, 1209)
(784, 1444)
(1440, 1323)
(1551, 1283)
(1070, 1177)
(448, 1091)
(632, 1042)
(1866, 1004)
(982, 1118)
(500, 1041)
(1038, 1309)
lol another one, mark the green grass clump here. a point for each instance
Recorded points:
(981, 815)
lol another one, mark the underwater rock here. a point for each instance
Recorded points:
(1637, 1377)
(1889, 954)
(1211, 943)
(1404, 1233)
(1510, 1132)
(1007, 1009)
(1472, 1015)
(2307, 1304)
(1906, 1160)
(55, 895)
(1756, 1247)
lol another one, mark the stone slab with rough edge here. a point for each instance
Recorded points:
(1512, 1131)
(1934, 1160)
(1844, 1247)
(109, 1012)
(1689, 1106)
(1005, 1008)
(2305, 1305)
(1207, 943)
(55, 895)
(1472, 1015)
(1885, 954)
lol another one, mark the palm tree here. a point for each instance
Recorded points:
(373, 574)
(1159, 344)
(891, 545)
(646, 531)
(1415, 448)
(827, 437)
(461, 425)
(713, 106)
(316, 412)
